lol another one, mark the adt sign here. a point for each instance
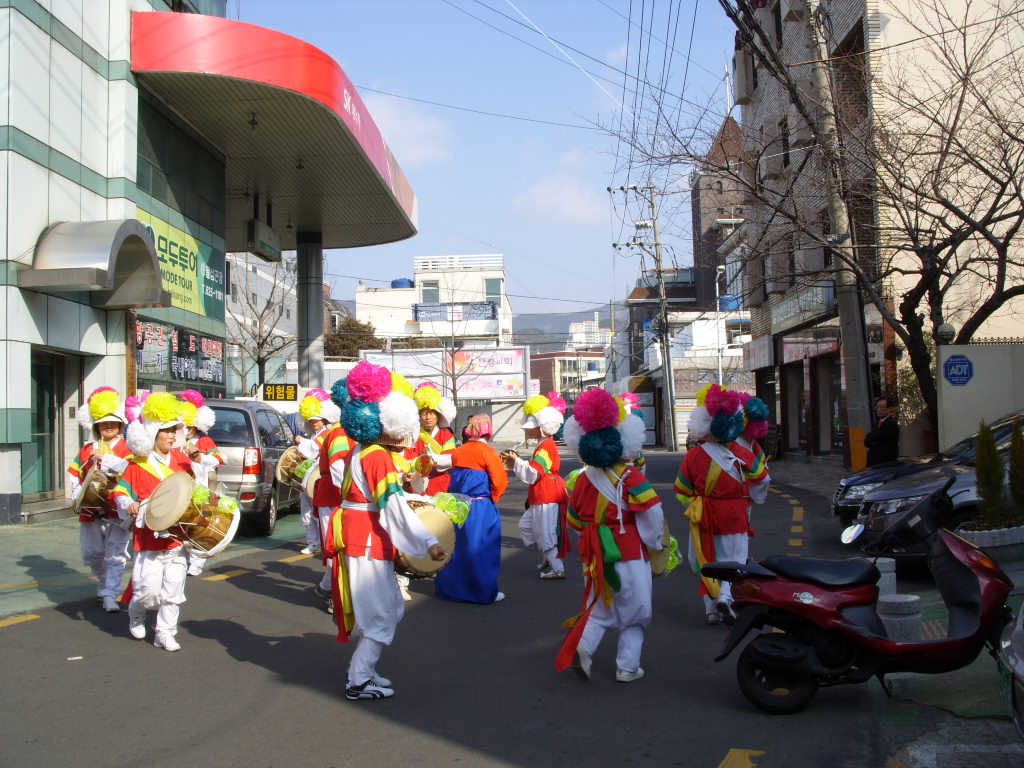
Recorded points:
(958, 370)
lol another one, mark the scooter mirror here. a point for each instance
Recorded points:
(852, 533)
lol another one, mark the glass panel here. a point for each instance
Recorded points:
(39, 472)
(492, 289)
(231, 428)
(431, 292)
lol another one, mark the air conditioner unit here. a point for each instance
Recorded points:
(262, 241)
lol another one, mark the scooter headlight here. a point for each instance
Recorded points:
(892, 506)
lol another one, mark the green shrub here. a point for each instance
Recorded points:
(992, 498)
(1016, 512)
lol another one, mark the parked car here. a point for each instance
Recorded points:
(251, 436)
(850, 495)
(1010, 661)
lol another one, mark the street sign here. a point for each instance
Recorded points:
(280, 391)
(958, 370)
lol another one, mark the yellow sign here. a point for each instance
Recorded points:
(280, 391)
(193, 273)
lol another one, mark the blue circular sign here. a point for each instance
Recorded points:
(958, 370)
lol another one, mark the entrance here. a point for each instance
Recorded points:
(41, 478)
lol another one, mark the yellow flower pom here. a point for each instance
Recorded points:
(623, 410)
(428, 397)
(534, 404)
(161, 407)
(401, 384)
(702, 395)
(103, 403)
(188, 413)
(309, 407)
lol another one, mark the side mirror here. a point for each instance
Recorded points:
(852, 533)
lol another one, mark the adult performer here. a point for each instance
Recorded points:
(436, 439)
(319, 414)
(471, 576)
(158, 578)
(101, 537)
(619, 516)
(543, 522)
(199, 419)
(714, 484)
(374, 523)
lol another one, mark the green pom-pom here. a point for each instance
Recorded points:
(201, 495)
(674, 558)
(304, 467)
(570, 480)
(227, 505)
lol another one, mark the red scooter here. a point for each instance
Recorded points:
(827, 628)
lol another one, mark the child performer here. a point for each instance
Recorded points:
(103, 540)
(543, 524)
(158, 578)
(201, 450)
(319, 415)
(620, 518)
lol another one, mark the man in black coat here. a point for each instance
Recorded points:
(883, 442)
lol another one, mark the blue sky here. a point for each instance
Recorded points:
(533, 189)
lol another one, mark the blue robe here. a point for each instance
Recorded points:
(471, 576)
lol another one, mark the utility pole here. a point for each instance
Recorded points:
(649, 194)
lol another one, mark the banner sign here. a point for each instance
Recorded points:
(192, 272)
(177, 354)
(478, 374)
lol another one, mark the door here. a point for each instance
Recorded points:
(41, 476)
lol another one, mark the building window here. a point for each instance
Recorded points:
(287, 314)
(431, 291)
(492, 290)
(234, 293)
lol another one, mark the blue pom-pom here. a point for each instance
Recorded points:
(601, 448)
(361, 420)
(756, 409)
(339, 392)
(727, 427)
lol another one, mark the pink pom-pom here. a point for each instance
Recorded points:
(719, 399)
(368, 382)
(755, 430)
(744, 396)
(101, 389)
(428, 384)
(558, 402)
(731, 401)
(320, 394)
(132, 408)
(596, 409)
(193, 397)
(631, 399)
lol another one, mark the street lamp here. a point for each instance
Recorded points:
(946, 333)
(718, 321)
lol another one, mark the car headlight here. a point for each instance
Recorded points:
(892, 506)
(859, 491)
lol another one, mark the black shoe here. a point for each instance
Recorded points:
(368, 690)
(323, 594)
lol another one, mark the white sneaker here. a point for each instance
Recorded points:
(195, 570)
(309, 549)
(581, 664)
(383, 682)
(623, 676)
(499, 597)
(137, 628)
(167, 642)
(368, 690)
(405, 593)
(110, 605)
(724, 607)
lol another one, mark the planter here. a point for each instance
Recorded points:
(1004, 545)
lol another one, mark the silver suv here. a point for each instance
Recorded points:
(251, 436)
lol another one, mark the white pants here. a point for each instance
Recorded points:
(378, 607)
(307, 519)
(323, 533)
(158, 582)
(539, 526)
(734, 547)
(104, 546)
(629, 613)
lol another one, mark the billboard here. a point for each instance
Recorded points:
(496, 374)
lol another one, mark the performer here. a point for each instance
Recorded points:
(103, 540)
(619, 516)
(158, 578)
(319, 415)
(543, 522)
(374, 523)
(631, 401)
(334, 453)
(201, 450)
(714, 484)
(755, 421)
(436, 439)
(471, 576)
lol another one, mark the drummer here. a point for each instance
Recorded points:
(103, 542)
(319, 414)
(334, 452)
(158, 578)
(202, 450)
(377, 522)
(436, 440)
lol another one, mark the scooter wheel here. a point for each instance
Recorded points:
(776, 691)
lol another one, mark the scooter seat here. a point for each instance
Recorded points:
(827, 573)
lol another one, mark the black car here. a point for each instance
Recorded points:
(849, 496)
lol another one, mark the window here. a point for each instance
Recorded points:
(492, 290)
(431, 291)
(287, 314)
(253, 298)
(234, 293)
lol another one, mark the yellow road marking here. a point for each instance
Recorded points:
(798, 514)
(18, 619)
(796, 529)
(226, 575)
(293, 558)
(796, 542)
(741, 758)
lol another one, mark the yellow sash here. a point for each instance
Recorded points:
(696, 513)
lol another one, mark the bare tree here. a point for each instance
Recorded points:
(258, 325)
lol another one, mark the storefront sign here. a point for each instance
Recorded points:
(758, 353)
(803, 306)
(281, 392)
(192, 272)
(177, 354)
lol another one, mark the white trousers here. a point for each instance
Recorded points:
(539, 526)
(322, 534)
(734, 547)
(104, 546)
(158, 583)
(307, 519)
(378, 607)
(629, 613)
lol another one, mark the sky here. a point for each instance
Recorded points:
(498, 113)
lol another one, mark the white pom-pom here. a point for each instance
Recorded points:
(84, 417)
(632, 430)
(205, 418)
(330, 412)
(549, 419)
(572, 434)
(399, 418)
(447, 411)
(699, 423)
(138, 438)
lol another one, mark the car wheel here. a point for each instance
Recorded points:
(776, 691)
(265, 522)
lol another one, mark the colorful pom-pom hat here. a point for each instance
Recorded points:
(602, 431)
(317, 404)
(380, 407)
(160, 410)
(195, 412)
(544, 411)
(104, 404)
(718, 415)
(427, 395)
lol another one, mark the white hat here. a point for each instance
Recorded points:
(104, 404)
(428, 396)
(545, 412)
(161, 410)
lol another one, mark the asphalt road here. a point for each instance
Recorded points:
(260, 679)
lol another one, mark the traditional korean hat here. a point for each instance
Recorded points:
(380, 408)
(317, 404)
(755, 417)
(195, 412)
(428, 396)
(160, 410)
(546, 412)
(718, 414)
(104, 404)
(602, 431)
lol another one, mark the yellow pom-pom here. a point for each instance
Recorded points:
(534, 404)
(623, 410)
(428, 397)
(401, 384)
(161, 407)
(188, 413)
(309, 407)
(702, 395)
(103, 403)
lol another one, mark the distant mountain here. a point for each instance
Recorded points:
(548, 331)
